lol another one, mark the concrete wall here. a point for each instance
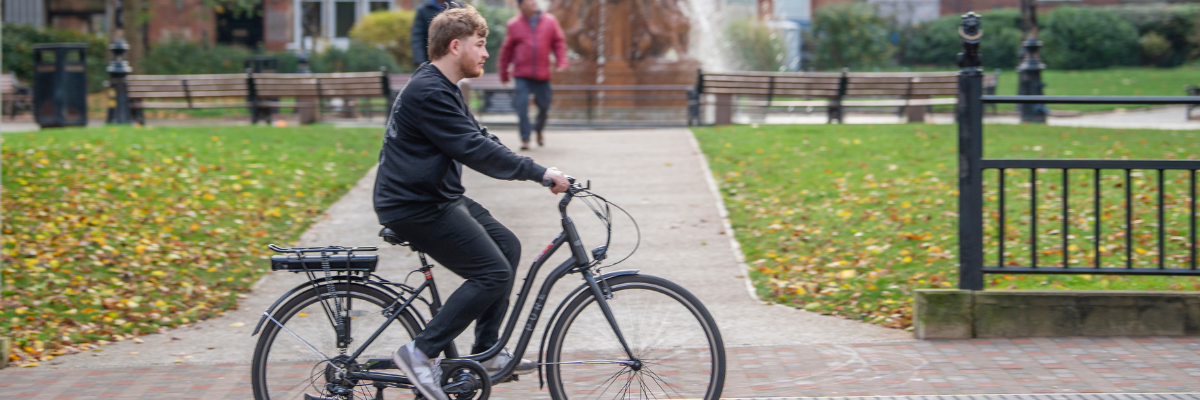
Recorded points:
(957, 314)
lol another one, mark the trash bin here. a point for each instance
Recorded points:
(60, 84)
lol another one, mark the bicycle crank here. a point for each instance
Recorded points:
(464, 379)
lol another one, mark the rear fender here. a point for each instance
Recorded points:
(306, 285)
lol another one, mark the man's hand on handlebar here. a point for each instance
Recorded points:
(555, 180)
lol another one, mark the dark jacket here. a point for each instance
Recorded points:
(430, 135)
(419, 35)
(528, 48)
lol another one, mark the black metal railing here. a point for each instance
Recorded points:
(972, 165)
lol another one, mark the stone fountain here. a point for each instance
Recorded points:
(627, 42)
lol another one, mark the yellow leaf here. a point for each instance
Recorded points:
(847, 273)
(208, 196)
(29, 365)
(158, 273)
(168, 161)
(237, 324)
(935, 249)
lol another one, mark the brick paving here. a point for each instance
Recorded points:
(908, 368)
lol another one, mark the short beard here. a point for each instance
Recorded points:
(469, 70)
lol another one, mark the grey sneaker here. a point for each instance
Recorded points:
(498, 362)
(424, 373)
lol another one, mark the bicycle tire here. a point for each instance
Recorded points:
(682, 352)
(299, 369)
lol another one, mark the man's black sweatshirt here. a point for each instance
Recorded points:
(430, 135)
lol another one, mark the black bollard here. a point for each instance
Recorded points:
(119, 111)
(970, 153)
(1030, 69)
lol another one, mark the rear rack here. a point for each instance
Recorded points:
(330, 258)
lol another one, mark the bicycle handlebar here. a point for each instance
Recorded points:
(548, 183)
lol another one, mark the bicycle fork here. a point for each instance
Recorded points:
(602, 297)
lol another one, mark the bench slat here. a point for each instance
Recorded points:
(182, 77)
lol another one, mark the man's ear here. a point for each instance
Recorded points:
(454, 46)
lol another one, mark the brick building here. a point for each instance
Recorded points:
(273, 24)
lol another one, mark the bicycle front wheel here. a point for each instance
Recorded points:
(677, 349)
(300, 354)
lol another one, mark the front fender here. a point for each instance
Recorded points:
(554, 317)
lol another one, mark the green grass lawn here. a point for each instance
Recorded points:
(849, 220)
(114, 232)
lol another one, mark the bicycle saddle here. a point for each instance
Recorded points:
(390, 236)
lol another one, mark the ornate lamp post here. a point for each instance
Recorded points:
(118, 111)
(1030, 69)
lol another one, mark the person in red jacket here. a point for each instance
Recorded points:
(531, 37)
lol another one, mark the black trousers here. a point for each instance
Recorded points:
(464, 237)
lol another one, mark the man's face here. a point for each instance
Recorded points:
(473, 52)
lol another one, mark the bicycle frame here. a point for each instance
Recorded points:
(578, 262)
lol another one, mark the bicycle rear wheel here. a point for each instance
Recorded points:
(668, 330)
(286, 362)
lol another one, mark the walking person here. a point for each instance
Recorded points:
(419, 33)
(430, 135)
(532, 36)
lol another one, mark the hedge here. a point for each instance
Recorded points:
(18, 51)
(1074, 37)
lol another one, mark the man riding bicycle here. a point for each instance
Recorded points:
(419, 195)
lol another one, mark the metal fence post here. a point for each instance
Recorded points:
(970, 152)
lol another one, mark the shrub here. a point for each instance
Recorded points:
(18, 51)
(1155, 48)
(497, 18)
(937, 43)
(850, 35)
(358, 57)
(756, 47)
(1177, 25)
(389, 31)
(1088, 38)
(177, 57)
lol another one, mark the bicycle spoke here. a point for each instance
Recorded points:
(298, 338)
(613, 379)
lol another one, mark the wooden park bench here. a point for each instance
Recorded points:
(911, 91)
(763, 90)
(15, 97)
(915, 92)
(187, 92)
(312, 90)
(496, 97)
